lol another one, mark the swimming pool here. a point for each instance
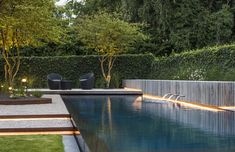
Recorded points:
(126, 124)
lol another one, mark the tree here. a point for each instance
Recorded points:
(175, 24)
(23, 23)
(108, 36)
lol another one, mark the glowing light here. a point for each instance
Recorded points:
(41, 133)
(187, 104)
(10, 88)
(137, 104)
(2, 86)
(132, 89)
(24, 80)
(229, 108)
(32, 119)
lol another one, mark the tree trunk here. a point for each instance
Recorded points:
(107, 75)
(12, 61)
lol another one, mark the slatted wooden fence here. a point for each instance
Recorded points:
(217, 93)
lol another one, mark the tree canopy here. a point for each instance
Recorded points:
(108, 36)
(174, 25)
(23, 23)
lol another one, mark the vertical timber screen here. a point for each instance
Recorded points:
(217, 93)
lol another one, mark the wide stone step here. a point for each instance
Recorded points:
(37, 126)
(36, 123)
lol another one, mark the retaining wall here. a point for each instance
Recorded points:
(218, 93)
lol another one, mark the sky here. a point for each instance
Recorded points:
(62, 2)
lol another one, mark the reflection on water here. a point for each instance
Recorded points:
(126, 124)
(218, 123)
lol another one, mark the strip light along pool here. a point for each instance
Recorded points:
(185, 103)
(41, 133)
(132, 89)
(32, 119)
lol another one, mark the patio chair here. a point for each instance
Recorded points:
(87, 81)
(54, 81)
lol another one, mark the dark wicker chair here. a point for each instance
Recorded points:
(54, 81)
(87, 81)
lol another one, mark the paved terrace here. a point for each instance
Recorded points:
(52, 118)
(57, 107)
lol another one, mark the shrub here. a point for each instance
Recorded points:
(37, 94)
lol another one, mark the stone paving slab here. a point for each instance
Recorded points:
(70, 144)
(56, 107)
(35, 124)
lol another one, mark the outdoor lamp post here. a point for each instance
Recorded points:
(25, 85)
(10, 90)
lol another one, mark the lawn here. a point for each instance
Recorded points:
(34, 143)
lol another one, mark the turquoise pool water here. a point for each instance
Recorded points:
(126, 124)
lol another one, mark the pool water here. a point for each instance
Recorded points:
(126, 124)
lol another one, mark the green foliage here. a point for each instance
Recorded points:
(4, 88)
(33, 143)
(36, 69)
(116, 80)
(28, 21)
(100, 83)
(107, 34)
(213, 63)
(18, 92)
(23, 23)
(174, 25)
(37, 94)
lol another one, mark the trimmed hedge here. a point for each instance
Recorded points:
(71, 67)
(214, 63)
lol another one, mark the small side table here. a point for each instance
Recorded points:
(66, 84)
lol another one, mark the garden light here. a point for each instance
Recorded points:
(24, 80)
(24, 84)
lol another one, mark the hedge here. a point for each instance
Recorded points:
(213, 63)
(71, 67)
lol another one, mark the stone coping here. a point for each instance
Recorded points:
(125, 91)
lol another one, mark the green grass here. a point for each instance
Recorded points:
(35, 143)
